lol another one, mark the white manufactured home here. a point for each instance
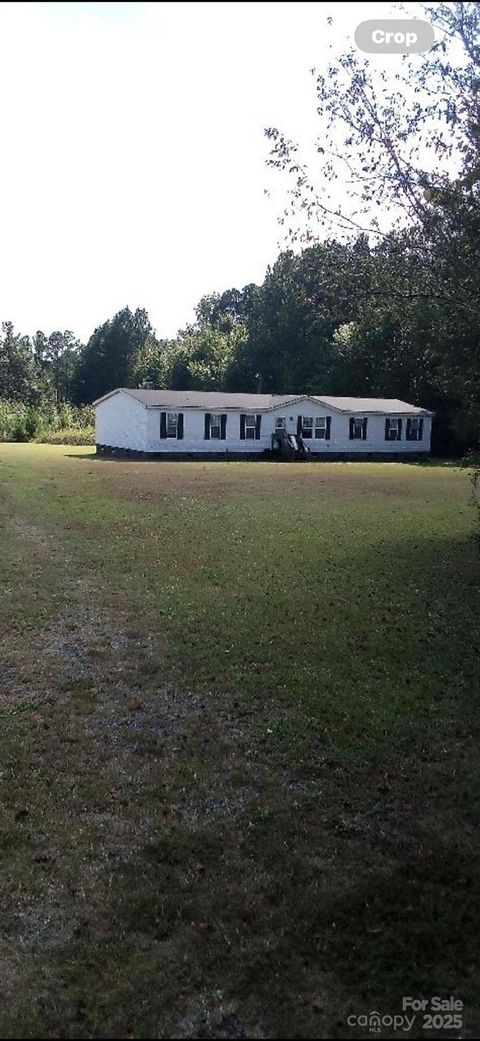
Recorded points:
(170, 423)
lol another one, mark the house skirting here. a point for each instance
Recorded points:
(368, 457)
(110, 452)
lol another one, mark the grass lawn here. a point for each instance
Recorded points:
(239, 723)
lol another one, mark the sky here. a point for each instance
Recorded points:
(133, 150)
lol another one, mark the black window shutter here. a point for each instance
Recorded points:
(299, 426)
(242, 427)
(180, 426)
(408, 435)
(364, 429)
(399, 430)
(352, 427)
(387, 429)
(208, 418)
(420, 430)
(327, 428)
(163, 424)
(223, 427)
(258, 427)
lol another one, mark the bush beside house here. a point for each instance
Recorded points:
(63, 424)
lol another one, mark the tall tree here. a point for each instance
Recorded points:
(151, 365)
(201, 357)
(408, 147)
(225, 310)
(19, 377)
(295, 313)
(57, 356)
(111, 354)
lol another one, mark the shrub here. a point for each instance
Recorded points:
(472, 459)
(32, 423)
(19, 422)
(12, 421)
(19, 432)
(69, 436)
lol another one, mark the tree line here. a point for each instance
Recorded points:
(322, 321)
(358, 304)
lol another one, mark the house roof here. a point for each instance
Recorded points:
(373, 405)
(219, 400)
(209, 399)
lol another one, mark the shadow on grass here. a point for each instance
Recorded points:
(278, 921)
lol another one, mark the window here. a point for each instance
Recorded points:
(250, 426)
(414, 429)
(281, 423)
(393, 429)
(250, 422)
(321, 427)
(306, 429)
(172, 424)
(216, 426)
(358, 428)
